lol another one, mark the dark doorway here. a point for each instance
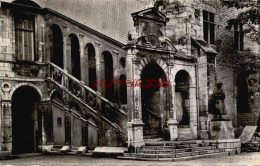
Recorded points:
(242, 94)
(56, 48)
(75, 56)
(109, 76)
(90, 50)
(153, 100)
(182, 100)
(25, 133)
(123, 90)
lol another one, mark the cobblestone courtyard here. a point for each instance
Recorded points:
(245, 159)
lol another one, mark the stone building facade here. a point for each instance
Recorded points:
(53, 60)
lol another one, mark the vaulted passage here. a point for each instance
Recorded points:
(56, 47)
(123, 90)
(153, 100)
(26, 121)
(90, 51)
(75, 56)
(109, 76)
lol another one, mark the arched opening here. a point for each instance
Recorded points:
(122, 62)
(56, 47)
(109, 76)
(242, 94)
(27, 3)
(153, 100)
(123, 90)
(182, 99)
(90, 51)
(75, 56)
(26, 120)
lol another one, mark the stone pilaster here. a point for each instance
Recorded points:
(135, 123)
(83, 61)
(98, 64)
(206, 83)
(193, 110)
(6, 126)
(172, 122)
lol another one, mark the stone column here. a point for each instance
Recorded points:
(7, 125)
(135, 123)
(116, 77)
(83, 70)
(66, 59)
(206, 82)
(98, 64)
(193, 110)
(172, 122)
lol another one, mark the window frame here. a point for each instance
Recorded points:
(29, 17)
(210, 26)
(238, 36)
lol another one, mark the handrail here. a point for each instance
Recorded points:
(88, 88)
(94, 111)
(154, 114)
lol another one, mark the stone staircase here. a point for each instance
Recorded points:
(177, 150)
(110, 114)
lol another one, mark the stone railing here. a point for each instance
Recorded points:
(87, 96)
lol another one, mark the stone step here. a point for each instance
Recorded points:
(153, 139)
(183, 158)
(176, 155)
(168, 150)
(148, 137)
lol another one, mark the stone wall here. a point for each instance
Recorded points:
(228, 68)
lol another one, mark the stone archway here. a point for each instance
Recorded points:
(26, 120)
(108, 75)
(74, 53)
(91, 56)
(153, 98)
(182, 98)
(56, 45)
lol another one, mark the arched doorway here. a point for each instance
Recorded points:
(75, 55)
(242, 94)
(153, 100)
(56, 47)
(26, 120)
(182, 98)
(123, 90)
(109, 76)
(92, 76)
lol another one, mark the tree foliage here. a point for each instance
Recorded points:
(249, 16)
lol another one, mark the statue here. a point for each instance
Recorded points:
(216, 103)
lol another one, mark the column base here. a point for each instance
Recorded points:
(135, 133)
(194, 129)
(173, 128)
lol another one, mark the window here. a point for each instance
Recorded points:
(238, 37)
(209, 27)
(24, 38)
(59, 121)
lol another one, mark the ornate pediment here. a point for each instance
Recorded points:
(150, 30)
